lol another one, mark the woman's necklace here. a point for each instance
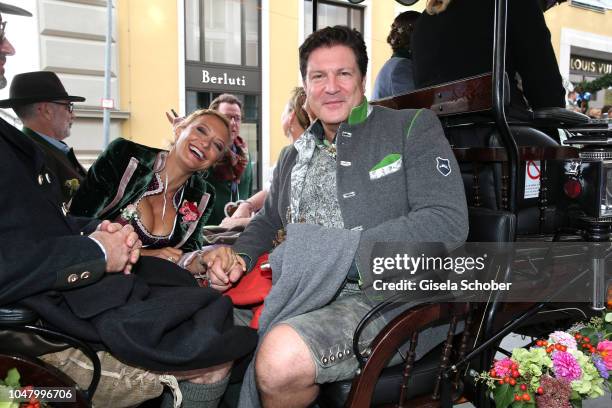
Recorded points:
(165, 202)
(165, 199)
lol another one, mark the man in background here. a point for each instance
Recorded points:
(232, 177)
(47, 113)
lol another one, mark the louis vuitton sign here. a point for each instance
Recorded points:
(591, 66)
(222, 79)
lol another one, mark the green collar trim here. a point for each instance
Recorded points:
(359, 113)
(416, 115)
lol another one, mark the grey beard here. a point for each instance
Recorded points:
(2, 81)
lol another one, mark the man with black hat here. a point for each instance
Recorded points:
(65, 268)
(46, 111)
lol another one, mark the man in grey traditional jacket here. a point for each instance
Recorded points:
(377, 174)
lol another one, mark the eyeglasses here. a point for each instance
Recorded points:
(2, 30)
(68, 105)
(234, 118)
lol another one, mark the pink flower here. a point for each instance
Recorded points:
(502, 367)
(605, 350)
(565, 366)
(189, 211)
(563, 338)
(190, 217)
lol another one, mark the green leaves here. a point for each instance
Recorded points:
(504, 396)
(576, 403)
(591, 333)
(12, 378)
(593, 86)
(524, 404)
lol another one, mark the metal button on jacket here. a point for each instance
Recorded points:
(85, 275)
(72, 278)
(48, 177)
(40, 179)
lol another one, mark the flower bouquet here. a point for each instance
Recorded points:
(557, 372)
(12, 394)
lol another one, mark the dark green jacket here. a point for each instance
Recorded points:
(65, 167)
(122, 174)
(224, 193)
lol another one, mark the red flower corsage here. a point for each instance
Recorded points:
(189, 211)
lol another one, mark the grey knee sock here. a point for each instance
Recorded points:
(198, 395)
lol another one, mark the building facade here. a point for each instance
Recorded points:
(68, 37)
(245, 47)
(180, 54)
(581, 32)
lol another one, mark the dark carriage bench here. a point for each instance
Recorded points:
(468, 103)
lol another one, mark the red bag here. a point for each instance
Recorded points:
(252, 289)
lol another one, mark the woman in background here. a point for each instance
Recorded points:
(395, 77)
(294, 121)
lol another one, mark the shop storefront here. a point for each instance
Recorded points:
(223, 55)
(588, 65)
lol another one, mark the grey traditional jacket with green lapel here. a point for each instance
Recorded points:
(397, 180)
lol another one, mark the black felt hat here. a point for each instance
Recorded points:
(39, 86)
(8, 9)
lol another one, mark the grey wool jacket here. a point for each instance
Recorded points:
(397, 180)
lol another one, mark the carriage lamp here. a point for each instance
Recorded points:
(572, 188)
(604, 191)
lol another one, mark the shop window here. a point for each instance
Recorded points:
(331, 13)
(192, 29)
(216, 29)
(251, 32)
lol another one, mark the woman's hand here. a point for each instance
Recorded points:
(168, 253)
(174, 120)
(232, 222)
(244, 210)
(225, 267)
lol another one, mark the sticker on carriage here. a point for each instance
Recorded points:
(532, 179)
(443, 166)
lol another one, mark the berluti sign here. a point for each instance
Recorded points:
(222, 79)
(586, 65)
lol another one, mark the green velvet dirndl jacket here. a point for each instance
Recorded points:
(122, 174)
